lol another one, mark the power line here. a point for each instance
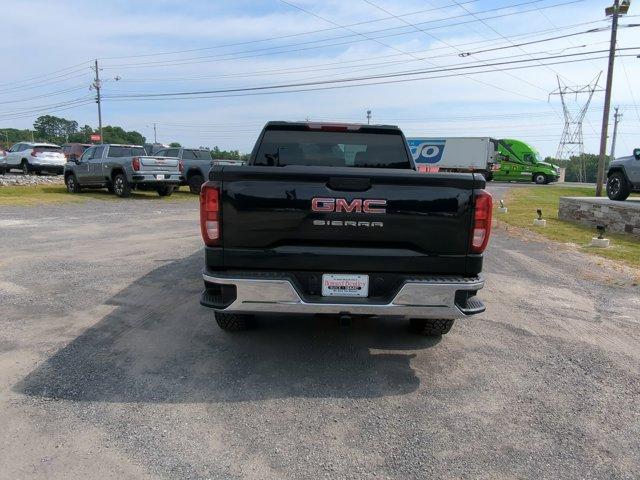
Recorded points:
(496, 31)
(451, 46)
(394, 48)
(219, 58)
(249, 93)
(41, 108)
(42, 84)
(313, 67)
(354, 79)
(45, 95)
(279, 37)
(633, 98)
(44, 75)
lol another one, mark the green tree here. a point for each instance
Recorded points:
(54, 129)
(175, 144)
(9, 136)
(584, 168)
(119, 135)
(217, 153)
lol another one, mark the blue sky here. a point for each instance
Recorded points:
(171, 46)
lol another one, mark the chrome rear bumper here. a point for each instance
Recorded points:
(426, 297)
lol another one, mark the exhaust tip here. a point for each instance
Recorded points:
(345, 321)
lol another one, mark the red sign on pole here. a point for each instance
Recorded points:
(95, 137)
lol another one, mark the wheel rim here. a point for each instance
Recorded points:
(614, 186)
(539, 179)
(71, 184)
(119, 186)
(25, 169)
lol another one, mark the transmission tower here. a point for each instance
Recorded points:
(571, 143)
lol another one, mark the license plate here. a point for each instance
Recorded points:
(160, 177)
(345, 285)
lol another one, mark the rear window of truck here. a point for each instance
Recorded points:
(332, 149)
(116, 151)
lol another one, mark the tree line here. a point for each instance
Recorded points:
(52, 129)
(582, 168)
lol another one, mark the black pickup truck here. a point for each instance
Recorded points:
(334, 219)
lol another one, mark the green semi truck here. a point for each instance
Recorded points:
(521, 162)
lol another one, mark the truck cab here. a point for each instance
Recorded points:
(521, 162)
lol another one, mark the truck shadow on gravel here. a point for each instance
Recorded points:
(160, 345)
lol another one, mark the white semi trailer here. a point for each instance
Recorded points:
(456, 154)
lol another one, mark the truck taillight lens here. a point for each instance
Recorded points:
(181, 166)
(210, 214)
(481, 221)
(35, 152)
(135, 164)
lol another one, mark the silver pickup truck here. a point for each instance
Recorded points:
(121, 169)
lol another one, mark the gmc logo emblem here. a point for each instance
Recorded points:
(340, 205)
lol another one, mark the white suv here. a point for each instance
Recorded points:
(35, 157)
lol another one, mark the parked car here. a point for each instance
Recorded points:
(3, 162)
(334, 219)
(74, 151)
(121, 169)
(623, 176)
(36, 157)
(196, 165)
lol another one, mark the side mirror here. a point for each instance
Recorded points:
(636, 153)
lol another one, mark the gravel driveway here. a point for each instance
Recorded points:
(109, 368)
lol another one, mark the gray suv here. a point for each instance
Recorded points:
(623, 176)
(122, 168)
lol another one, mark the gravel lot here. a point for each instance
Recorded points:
(109, 368)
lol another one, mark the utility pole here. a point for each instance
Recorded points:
(96, 85)
(368, 117)
(614, 11)
(155, 137)
(616, 118)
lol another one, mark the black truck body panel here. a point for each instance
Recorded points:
(268, 222)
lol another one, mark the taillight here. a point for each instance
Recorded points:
(210, 214)
(482, 215)
(135, 163)
(181, 166)
(35, 152)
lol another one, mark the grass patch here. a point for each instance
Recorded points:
(522, 204)
(46, 194)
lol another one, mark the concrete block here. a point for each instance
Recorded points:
(539, 223)
(599, 242)
(502, 209)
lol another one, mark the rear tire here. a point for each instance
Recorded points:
(195, 184)
(540, 178)
(618, 187)
(72, 184)
(232, 322)
(165, 190)
(121, 186)
(25, 167)
(430, 327)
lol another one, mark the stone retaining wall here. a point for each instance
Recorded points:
(618, 217)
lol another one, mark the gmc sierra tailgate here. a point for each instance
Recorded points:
(345, 219)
